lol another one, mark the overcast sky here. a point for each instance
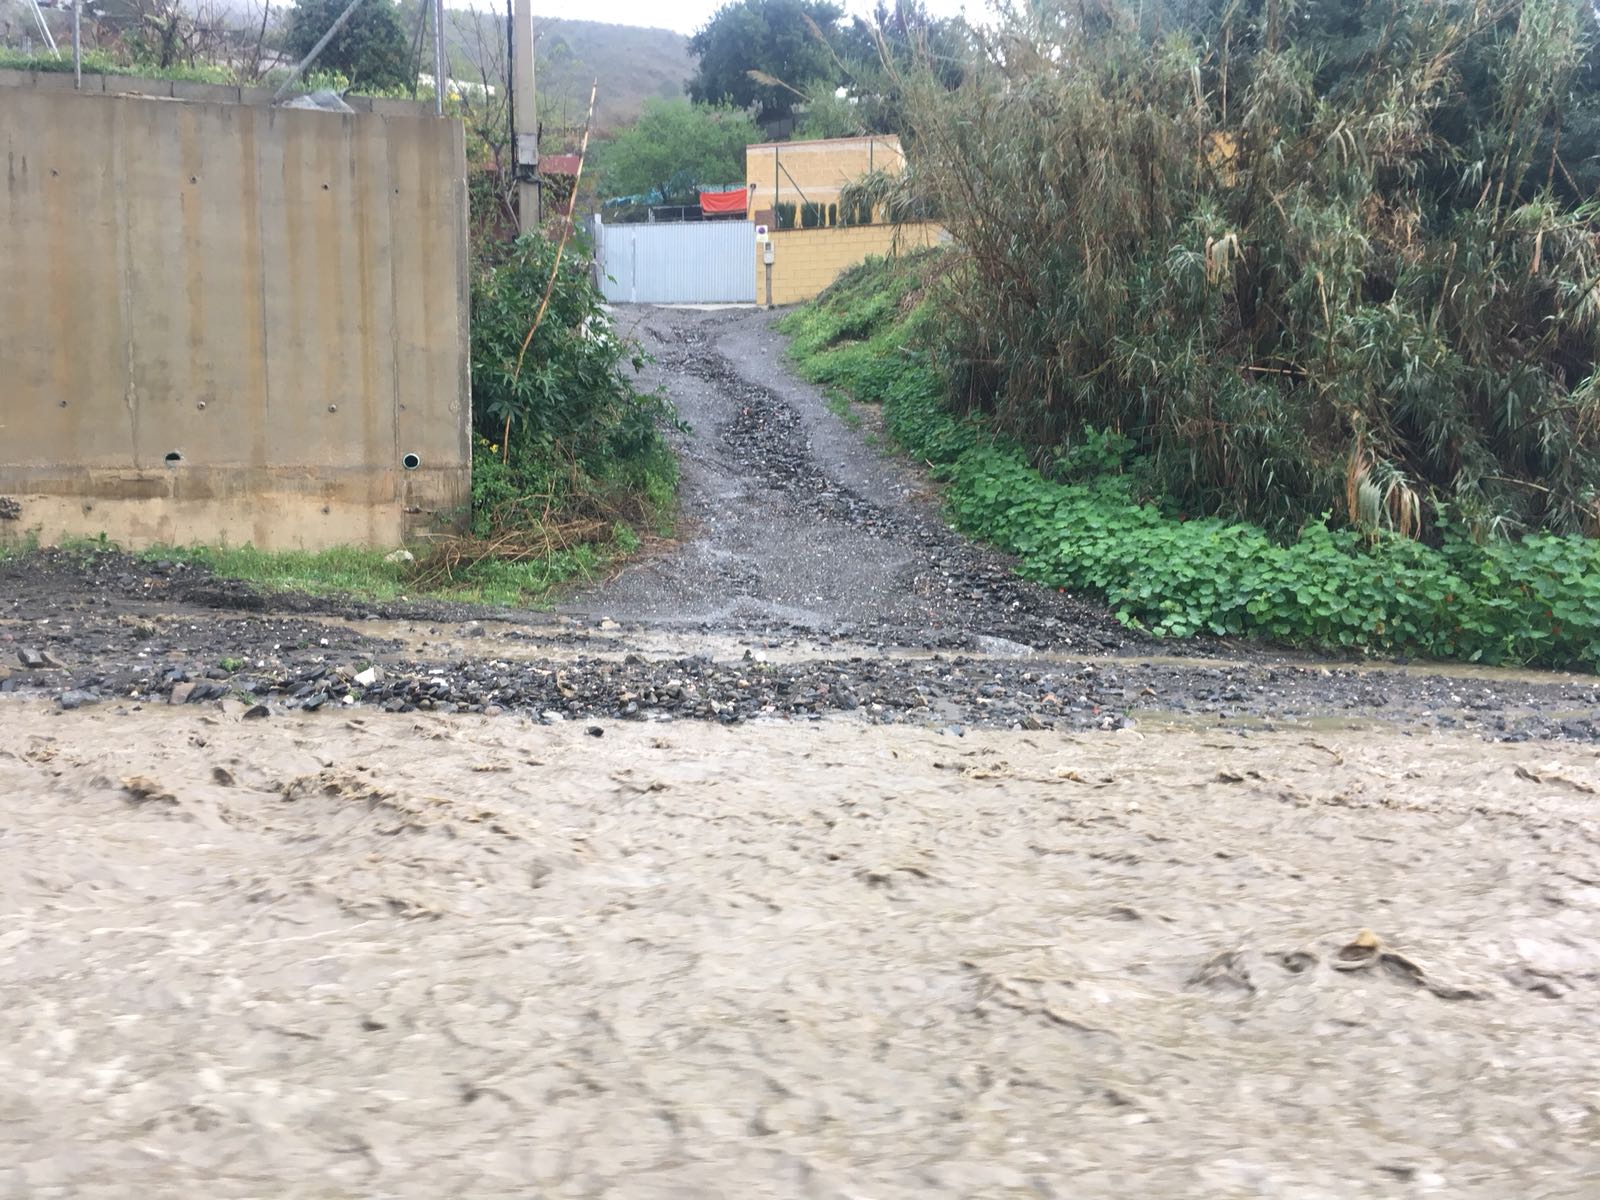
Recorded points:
(683, 15)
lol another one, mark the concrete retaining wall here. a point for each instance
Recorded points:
(227, 322)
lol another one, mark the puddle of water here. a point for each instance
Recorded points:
(1168, 719)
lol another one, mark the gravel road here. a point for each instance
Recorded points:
(811, 856)
(813, 575)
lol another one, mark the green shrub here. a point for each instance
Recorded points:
(567, 436)
(100, 62)
(1093, 529)
(855, 210)
(1318, 257)
(572, 396)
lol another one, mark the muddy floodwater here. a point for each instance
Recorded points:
(369, 954)
(811, 856)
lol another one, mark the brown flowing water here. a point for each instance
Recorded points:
(365, 954)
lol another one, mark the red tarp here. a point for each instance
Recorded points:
(723, 202)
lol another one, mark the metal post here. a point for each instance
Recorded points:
(440, 70)
(322, 44)
(526, 116)
(77, 44)
(44, 28)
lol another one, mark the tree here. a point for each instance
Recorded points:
(370, 51)
(1370, 291)
(778, 40)
(828, 115)
(878, 50)
(674, 149)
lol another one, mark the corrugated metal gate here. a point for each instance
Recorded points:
(695, 262)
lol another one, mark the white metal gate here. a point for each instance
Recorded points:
(692, 262)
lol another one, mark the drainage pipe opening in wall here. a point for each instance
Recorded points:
(173, 458)
(411, 462)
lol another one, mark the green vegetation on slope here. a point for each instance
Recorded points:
(100, 62)
(1094, 525)
(631, 65)
(1308, 257)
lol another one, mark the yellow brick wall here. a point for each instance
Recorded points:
(794, 172)
(806, 261)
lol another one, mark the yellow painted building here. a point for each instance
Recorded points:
(813, 172)
(806, 261)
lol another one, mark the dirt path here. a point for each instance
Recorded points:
(815, 858)
(794, 522)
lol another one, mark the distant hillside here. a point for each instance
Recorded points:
(632, 64)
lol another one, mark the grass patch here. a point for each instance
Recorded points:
(370, 575)
(10, 551)
(98, 62)
(840, 405)
(341, 569)
(1089, 527)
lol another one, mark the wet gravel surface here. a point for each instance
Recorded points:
(814, 576)
(112, 636)
(794, 520)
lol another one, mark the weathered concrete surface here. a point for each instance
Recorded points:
(223, 322)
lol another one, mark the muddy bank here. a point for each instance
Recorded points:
(416, 956)
(91, 650)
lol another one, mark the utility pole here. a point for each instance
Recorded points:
(526, 117)
(441, 59)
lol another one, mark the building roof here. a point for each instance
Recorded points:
(882, 139)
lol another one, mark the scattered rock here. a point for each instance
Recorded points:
(141, 789)
(37, 660)
(400, 556)
(77, 698)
